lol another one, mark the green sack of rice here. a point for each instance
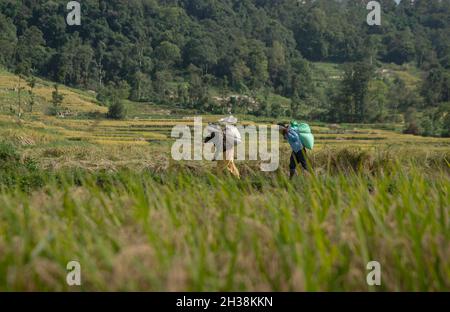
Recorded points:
(306, 136)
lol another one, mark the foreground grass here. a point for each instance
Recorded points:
(185, 229)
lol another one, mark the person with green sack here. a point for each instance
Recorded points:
(300, 138)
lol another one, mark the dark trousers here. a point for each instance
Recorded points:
(298, 158)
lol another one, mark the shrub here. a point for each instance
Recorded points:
(8, 153)
(412, 128)
(116, 110)
(17, 173)
(446, 126)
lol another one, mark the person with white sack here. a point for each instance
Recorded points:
(224, 137)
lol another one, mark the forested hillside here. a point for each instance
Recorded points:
(189, 53)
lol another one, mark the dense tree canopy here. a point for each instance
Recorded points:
(241, 44)
(222, 37)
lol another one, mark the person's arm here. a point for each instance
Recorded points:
(211, 136)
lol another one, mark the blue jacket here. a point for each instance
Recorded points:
(294, 140)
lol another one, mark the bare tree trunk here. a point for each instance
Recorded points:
(20, 102)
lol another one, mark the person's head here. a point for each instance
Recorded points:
(230, 120)
(283, 128)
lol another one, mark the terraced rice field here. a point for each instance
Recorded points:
(107, 194)
(155, 130)
(152, 125)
